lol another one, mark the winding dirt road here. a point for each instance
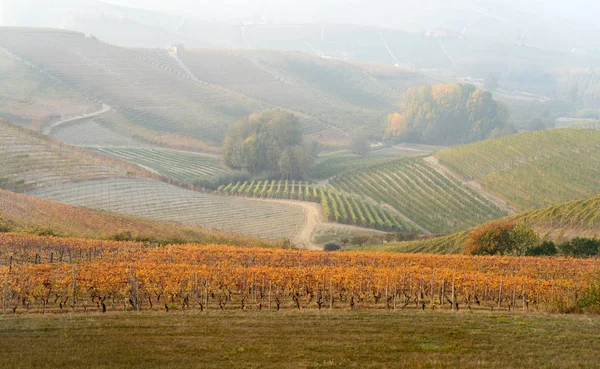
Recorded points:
(105, 108)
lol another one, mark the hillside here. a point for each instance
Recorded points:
(40, 166)
(557, 223)
(27, 214)
(417, 191)
(189, 98)
(33, 99)
(31, 160)
(531, 170)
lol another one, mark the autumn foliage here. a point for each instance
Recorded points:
(504, 237)
(53, 274)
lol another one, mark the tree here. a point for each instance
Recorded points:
(450, 114)
(491, 83)
(502, 238)
(396, 126)
(359, 142)
(270, 141)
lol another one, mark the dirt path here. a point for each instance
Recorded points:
(313, 217)
(499, 202)
(50, 128)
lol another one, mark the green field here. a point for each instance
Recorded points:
(341, 339)
(534, 169)
(437, 203)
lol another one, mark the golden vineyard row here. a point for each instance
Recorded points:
(45, 273)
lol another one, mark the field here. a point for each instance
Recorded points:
(532, 170)
(161, 201)
(31, 215)
(434, 202)
(337, 206)
(557, 223)
(363, 339)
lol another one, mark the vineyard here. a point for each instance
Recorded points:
(221, 87)
(31, 161)
(558, 223)
(337, 206)
(27, 214)
(32, 99)
(177, 165)
(90, 133)
(161, 201)
(44, 274)
(133, 83)
(434, 202)
(532, 170)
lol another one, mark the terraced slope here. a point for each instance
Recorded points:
(435, 202)
(532, 170)
(32, 99)
(157, 200)
(21, 213)
(30, 161)
(558, 223)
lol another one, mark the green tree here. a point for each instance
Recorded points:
(270, 141)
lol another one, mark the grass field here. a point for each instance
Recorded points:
(341, 339)
(532, 170)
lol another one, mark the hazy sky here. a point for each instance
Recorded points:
(369, 10)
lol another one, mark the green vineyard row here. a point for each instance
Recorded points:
(337, 206)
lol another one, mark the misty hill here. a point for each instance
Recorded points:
(160, 99)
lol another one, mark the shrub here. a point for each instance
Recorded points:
(580, 247)
(45, 232)
(331, 247)
(502, 238)
(547, 248)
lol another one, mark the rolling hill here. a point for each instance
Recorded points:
(189, 98)
(38, 165)
(33, 99)
(558, 223)
(531, 170)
